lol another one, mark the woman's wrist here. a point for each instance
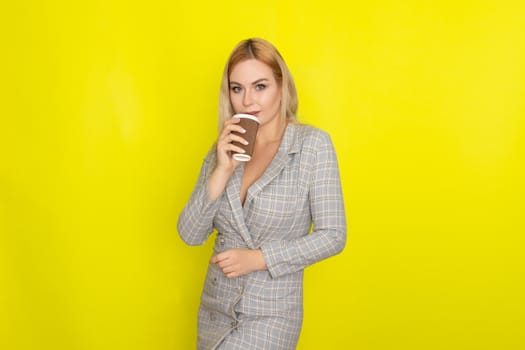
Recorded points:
(261, 263)
(225, 171)
(217, 182)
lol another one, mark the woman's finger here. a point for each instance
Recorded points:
(229, 138)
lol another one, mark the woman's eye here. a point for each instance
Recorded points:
(236, 89)
(260, 87)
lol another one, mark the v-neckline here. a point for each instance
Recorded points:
(257, 176)
(288, 145)
(273, 169)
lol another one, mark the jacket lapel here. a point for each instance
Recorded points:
(287, 147)
(233, 190)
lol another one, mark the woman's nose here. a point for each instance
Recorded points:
(248, 97)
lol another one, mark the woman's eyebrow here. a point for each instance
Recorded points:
(254, 83)
(259, 80)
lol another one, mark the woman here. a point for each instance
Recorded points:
(263, 209)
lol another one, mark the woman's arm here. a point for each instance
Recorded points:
(328, 215)
(196, 220)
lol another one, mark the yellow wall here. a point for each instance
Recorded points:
(100, 146)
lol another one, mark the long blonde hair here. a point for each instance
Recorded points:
(265, 52)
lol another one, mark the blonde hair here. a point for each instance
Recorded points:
(266, 53)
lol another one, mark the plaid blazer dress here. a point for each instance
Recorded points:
(299, 191)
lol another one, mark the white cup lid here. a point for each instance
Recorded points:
(247, 116)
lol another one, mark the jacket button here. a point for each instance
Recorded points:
(214, 281)
(222, 241)
(234, 323)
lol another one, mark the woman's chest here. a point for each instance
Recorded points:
(256, 167)
(272, 202)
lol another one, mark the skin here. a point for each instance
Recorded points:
(253, 90)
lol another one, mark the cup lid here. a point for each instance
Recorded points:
(247, 116)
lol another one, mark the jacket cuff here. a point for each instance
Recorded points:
(278, 258)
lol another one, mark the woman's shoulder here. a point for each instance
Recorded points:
(311, 135)
(211, 157)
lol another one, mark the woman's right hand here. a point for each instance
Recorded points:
(225, 147)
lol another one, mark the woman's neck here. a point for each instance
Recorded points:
(271, 132)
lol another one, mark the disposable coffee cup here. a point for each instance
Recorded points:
(249, 123)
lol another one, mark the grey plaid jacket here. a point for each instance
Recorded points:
(299, 190)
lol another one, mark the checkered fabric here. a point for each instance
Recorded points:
(299, 192)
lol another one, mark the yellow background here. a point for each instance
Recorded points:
(108, 108)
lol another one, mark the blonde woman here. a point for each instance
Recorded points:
(263, 210)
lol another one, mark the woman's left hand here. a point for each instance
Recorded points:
(239, 262)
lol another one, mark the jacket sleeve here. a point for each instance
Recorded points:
(328, 217)
(195, 222)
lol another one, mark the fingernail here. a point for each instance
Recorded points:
(245, 142)
(243, 131)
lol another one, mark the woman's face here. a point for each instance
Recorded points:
(254, 90)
